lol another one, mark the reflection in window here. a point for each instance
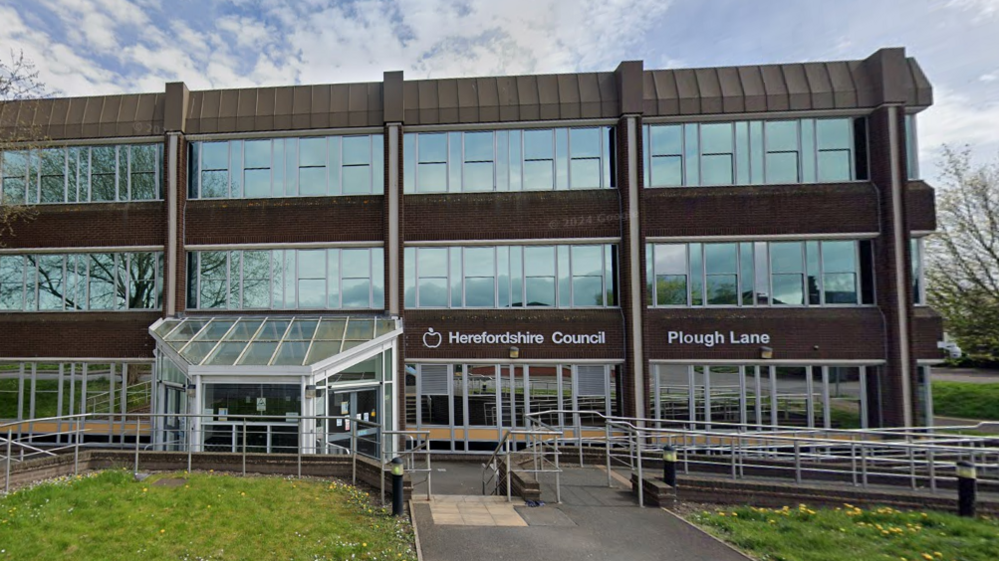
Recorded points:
(81, 174)
(287, 167)
(286, 279)
(911, 147)
(755, 152)
(918, 271)
(505, 276)
(758, 273)
(77, 282)
(507, 160)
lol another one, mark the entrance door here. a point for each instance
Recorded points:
(174, 425)
(357, 405)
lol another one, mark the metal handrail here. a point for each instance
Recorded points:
(420, 441)
(506, 447)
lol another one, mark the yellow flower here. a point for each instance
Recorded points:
(928, 557)
(938, 554)
(144, 489)
(364, 545)
(162, 531)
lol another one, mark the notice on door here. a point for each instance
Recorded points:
(261, 404)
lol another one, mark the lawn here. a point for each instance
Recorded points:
(852, 534)
(966, 400)
(200, 516)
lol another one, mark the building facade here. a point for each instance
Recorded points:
(721, 245)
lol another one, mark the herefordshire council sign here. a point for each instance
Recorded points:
(433, 339)
(716, 338)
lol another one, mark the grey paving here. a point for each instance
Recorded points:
(593, 522)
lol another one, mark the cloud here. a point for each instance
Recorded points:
(956, 119)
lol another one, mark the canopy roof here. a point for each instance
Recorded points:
(267, 341)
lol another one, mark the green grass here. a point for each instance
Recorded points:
(852, 534)
(966, 400)
(109, 516)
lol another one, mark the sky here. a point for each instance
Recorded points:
(88, 47)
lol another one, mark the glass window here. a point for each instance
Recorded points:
(839, 272)
(587, 276)
(539, 274)
(787, 275)
(480, 277)
(12, 282)
(670, 269)
(916, 249)
(144, 171)
(721, 262)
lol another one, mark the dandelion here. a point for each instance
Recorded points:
(162, 531)
(144, 489)
(938, 554)
(928, 557)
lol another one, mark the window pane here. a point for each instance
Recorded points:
(356, 293)
(312, 263)
(538, 144)
(839, 257)
(841, 288)
(671, 290)
(212, 280)
(782, 135)
(834, 165)
(11, 282)
(788, 290)
(256, 154)
(356, 150)
(716, 138)
(143, 270)
(312, 152)
(539, 261)
(721, 258)
(356, 180)
(540, 291)
(722, 290)
(143, 158)
(667, 171)
(587, 291)
(311, 293)
(312, 181)
(356, 263)
(585, 174)
(144, 186)
(667, 140)
(782, 167)
(53, 161)
(102, 187)
(257, 183)
(538, 175)
(214, 184)
(478, 146)
(716, 170)
(584, 143)
(433, 292)
(102, 274)
(833, 133)
(478, 176)
(50, 282)
(215, 156)
(13, 191)
(432, 178)
(480, 292)
(432, 262)
(587, 260)
(786, 257)
(432, 147)
(53, 189)
(671, 259)
(256, 279)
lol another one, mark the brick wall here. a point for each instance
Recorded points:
(92, 225)
(77, 334)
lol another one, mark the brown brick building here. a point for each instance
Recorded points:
(722, 245)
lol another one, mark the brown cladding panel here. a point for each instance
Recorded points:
(762, 210)
(490, 216)
(921, 207)
(292, 220)
(927, 330)
(92, 225)
(794, 333)
(77, 335)
(442, 343)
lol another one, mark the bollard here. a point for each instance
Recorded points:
(398, 468)
(669, 465)
(966, 483)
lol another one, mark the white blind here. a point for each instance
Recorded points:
(433, 379)
(590, 379)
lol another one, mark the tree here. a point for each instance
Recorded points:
(18, 81)
(963, 258)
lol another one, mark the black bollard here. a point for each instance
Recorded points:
(669, 465)
(966, 488)
(398, 468)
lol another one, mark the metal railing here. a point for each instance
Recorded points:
(542, 450)
(135, 395)
(21, 441)
(417, 442)
(914, 457)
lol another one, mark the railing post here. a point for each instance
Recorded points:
(509, 469)
(300, 438)
(912, 467)
(353, 451)
(579, 437)
(863, 465)
(797, 461)
(853, 462)
(933, 470)
(137, 422)
(244, 446)
(76, 451)
(558, 476)
(641, 480)
(6, 479)
(607, 454)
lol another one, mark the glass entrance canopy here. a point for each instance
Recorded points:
(266, 341)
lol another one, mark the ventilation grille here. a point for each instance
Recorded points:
(433, 379)
(590, 380)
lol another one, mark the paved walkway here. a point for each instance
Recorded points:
(593, 522)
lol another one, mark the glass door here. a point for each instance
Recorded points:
(174, 433)
(360, 407)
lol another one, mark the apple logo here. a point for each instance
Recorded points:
(432, 339)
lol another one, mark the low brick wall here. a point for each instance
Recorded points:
(368, 471)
